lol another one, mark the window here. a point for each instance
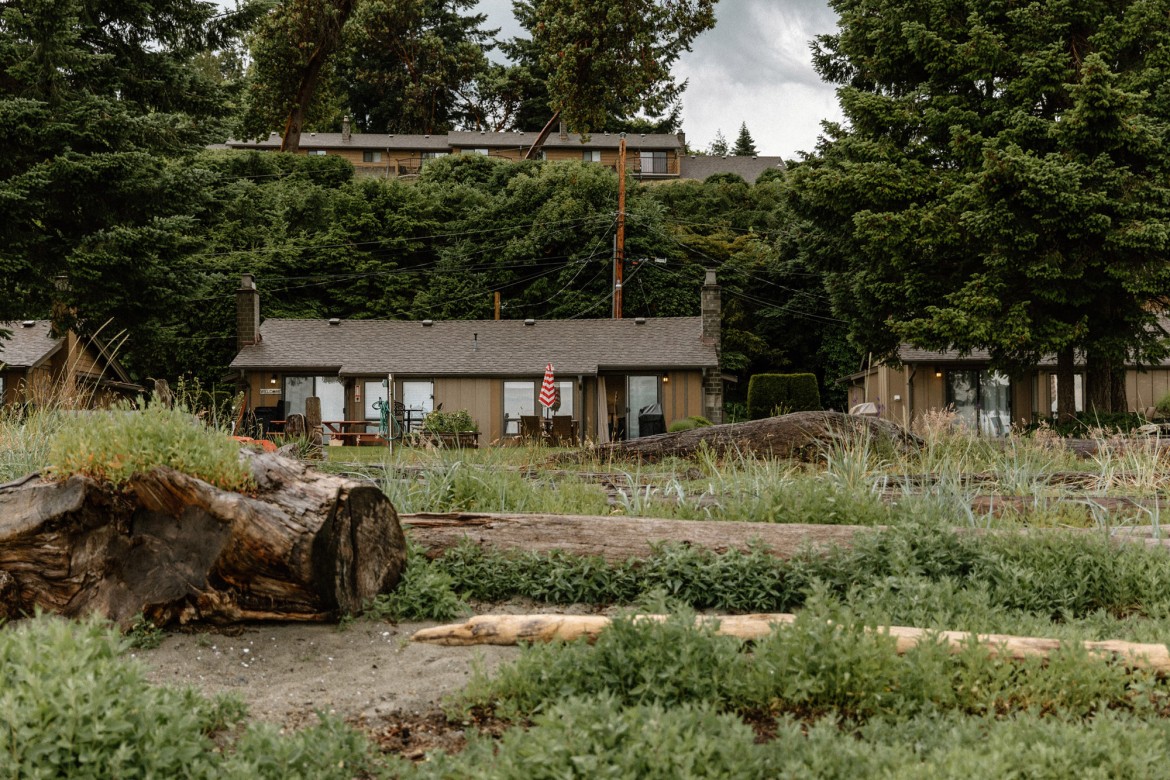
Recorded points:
(565, 394)
(418, 396)
(329, 389)
(482, 152)
(434, 155)
(641, 392)
(653, 162)
(591, 155)
(519, 399)
(316, 152)
(1078, 391)
(371, 157)
(982, 399)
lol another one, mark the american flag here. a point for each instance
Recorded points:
(548, 389)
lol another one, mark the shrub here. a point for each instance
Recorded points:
(768, 393)
(1163, 407)
(115, 444)
(689, 423)
(439, 421)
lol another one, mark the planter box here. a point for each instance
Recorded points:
(465, 440)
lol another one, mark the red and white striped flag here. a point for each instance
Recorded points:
(548, 389)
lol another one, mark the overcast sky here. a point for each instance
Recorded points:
(754, 67)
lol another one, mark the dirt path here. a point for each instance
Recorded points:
(285, 673)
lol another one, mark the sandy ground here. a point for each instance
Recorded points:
(286, 672)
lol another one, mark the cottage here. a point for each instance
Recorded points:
(606, 370)
(37, 366)
(985, 400)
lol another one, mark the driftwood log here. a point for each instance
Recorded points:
(305, 546)
(614, 537)
(617, 538)
(516, 629)
(804, 435)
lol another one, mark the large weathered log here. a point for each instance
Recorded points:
(613, 537)
(804, 435)
(515, 629)
(617, 538)
(306, 546)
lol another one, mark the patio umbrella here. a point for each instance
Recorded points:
(548, 389)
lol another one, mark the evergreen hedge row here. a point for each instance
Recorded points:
(788, 392)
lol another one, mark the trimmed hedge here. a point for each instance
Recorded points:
(790, 392)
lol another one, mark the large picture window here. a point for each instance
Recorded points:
(519, 400)
(329, 389)
(982, 399)
(653, 162)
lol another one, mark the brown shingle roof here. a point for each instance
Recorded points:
(699, 167)
(478, 347)
(360, 141)
(29, 345)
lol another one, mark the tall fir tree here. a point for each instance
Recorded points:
(1001, 182)
(97, 98)
(745, 146)
(719, 145)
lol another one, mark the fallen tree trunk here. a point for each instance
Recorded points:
(614, 537)
(803, 435)
(306, 546)
(617, 538)
(516, 629)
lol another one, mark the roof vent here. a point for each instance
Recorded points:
(529, 322)
(334, 321)
(312, 135)
(428, 323)
(639, 320)
(28, 323)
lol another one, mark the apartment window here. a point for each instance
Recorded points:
(371, 157)
(434, 155)
(316, 152)
(482, 152)
(653, 162)
(591, 155)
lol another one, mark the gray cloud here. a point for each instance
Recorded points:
(754, 67)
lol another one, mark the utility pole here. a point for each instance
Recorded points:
(497, 307)
(619, 247)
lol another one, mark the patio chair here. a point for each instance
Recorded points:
(562, 430)
(531, 428)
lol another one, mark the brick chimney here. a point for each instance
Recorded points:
(711, 309)
(345, 128)
(247, 312)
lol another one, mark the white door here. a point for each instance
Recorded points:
(419, 399)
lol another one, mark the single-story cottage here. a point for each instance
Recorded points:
(606, 371)
(37, 366)
(985, 400)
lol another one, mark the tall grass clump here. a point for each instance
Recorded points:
(25, 435)
(112, 445)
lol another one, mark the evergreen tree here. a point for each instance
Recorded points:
(744, 145)
(719, 145)
(1001, 182)
(97, 99)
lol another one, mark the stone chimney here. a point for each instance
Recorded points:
(247, 313)
(711, 309)
(345, 128)
(564, 134)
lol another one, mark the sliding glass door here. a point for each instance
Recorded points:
(982, 400)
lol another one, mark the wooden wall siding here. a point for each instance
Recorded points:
(1146, 388)
(474, 395)
(682, 396)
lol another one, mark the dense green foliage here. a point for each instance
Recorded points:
(114, 445)
(771, 394)
(689, 423)
(74, 706)
(1000, 182)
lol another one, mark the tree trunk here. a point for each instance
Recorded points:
(804, 435)
(1118, 399)
(534, 151)
(1066, 397)
(306, 546)
(514, 629)
(1099, 384)
(311, 75)
(612, 537)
